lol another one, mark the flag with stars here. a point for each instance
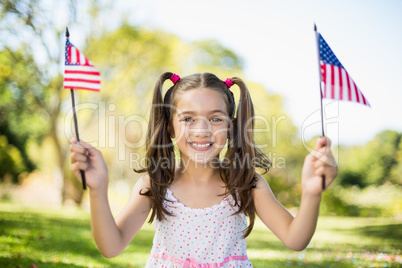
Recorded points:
(338, 84)
(79, 72)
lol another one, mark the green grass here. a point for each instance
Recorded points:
(43, 237)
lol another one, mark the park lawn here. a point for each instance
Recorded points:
(44, 237)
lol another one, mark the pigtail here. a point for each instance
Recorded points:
(244, 156)
(159, 150)
(238, 170)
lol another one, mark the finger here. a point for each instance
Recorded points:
(77, 166)
(74, 143)
(330, 172)
(326, 160)
(323, 142)
(76, 157)
(90, 149)
(317, 153)
(309, 162)
(323, 154)
(324, 171)
(324, 150)
(310, 158)
(77, 148)
(319, 171)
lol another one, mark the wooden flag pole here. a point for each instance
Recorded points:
(320, 81)
(84, 186)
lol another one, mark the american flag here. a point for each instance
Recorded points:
(79, 72)
(338, 84)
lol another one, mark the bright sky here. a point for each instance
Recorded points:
(277, 43)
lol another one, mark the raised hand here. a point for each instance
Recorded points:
(90, 160)
(319, 162)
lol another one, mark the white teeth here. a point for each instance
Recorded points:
(201, 145)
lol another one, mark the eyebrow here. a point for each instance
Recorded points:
(210, 112)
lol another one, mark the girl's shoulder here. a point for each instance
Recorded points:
(261, 183)
(143, 183)
(145, 179)
(262, 189)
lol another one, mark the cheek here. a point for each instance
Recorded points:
(179, 132)
(221, 134)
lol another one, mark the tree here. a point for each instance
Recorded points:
(28, 25)
(20, 99)
(375, 163)
(130, 59)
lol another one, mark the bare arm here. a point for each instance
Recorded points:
(111, 235)
(296, 232)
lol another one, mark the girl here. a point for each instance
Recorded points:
(199, 205)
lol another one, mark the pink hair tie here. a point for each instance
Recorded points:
(174, 78)
(229, 82)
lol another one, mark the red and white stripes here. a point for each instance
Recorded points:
(338, 85)
(79, 72)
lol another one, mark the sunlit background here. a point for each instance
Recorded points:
(271, 45)
(276, 42)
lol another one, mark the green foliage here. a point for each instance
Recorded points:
(131, 59)
(376, 163)
(11, 161)
(371, 201)
(21, 94)
(33, 104)
(211, 56)
(48, 237)
(34, 80)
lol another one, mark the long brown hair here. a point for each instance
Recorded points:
(238, 168)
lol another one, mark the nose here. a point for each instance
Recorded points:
(201, 127)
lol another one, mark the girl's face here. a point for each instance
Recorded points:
(200, 124)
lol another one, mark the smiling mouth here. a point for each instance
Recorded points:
(201, 145)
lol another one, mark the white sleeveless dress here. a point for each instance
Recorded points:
(204, 238)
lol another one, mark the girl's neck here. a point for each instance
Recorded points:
(190, 170)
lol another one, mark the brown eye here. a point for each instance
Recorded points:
(216, 119)
(188, 119)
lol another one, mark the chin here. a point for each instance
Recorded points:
(207, 161)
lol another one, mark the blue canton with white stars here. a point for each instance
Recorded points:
(66, 53)
(326, 54)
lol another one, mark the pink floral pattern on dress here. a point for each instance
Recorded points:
(204, 238)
